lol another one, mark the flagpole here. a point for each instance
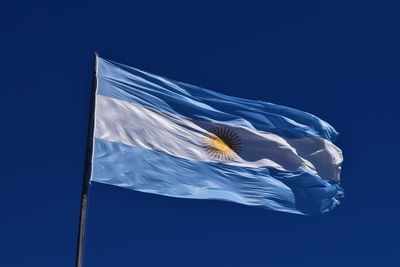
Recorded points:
(86, 172)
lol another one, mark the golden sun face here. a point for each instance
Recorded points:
(222, 144)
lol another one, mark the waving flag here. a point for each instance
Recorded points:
(156, 135)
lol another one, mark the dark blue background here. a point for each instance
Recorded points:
(339, 61)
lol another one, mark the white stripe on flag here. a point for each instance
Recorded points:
(136, 125)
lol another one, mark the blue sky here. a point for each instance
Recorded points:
(339, 61)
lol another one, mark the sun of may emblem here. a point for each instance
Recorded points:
(222, 144)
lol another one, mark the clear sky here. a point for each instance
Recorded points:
(337, 60)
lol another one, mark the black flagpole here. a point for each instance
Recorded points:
(86, 172)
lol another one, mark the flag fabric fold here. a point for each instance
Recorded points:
(157, 135)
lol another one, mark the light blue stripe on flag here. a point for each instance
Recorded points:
(130, 84)
(156, 135)
(154, 172)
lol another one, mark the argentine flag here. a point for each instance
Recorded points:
(157, 135)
